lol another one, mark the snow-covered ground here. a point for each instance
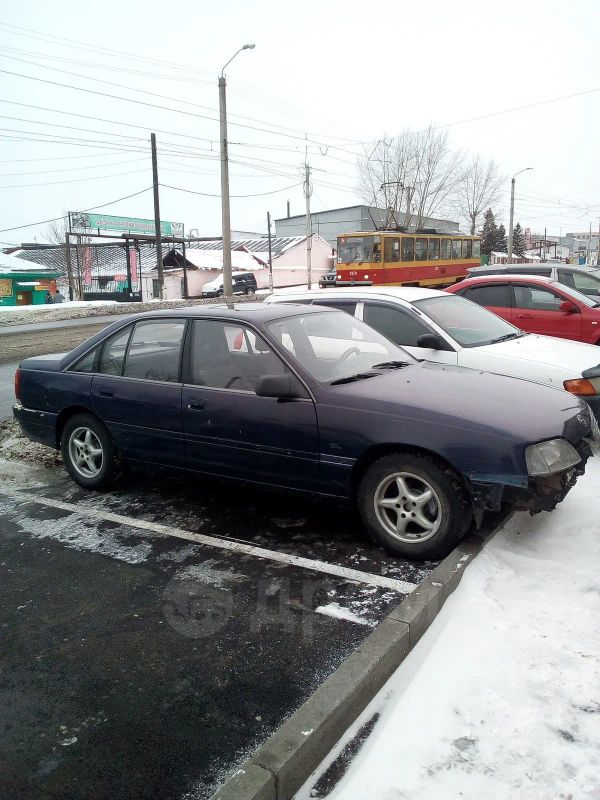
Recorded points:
(54, 306)
(501, 697)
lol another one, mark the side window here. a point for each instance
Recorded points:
(491, 295)
(155, 350)
(408, 249)
(349, 306)
(434, 249)
(420, 249)
(377, 248)
(446, 249)
(86, 362)
(398, 325)
(536, 299)
(588, 284)
(113, 352)
(467, 248)
(456, 245)
(392, 249)
(225, 356)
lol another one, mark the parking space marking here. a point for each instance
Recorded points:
(346, 573)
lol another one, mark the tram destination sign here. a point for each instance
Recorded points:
(81, 220)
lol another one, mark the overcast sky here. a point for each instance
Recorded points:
(335, 72)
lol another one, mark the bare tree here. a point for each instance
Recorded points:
(56, 233)
(478, 188)
(414, 173)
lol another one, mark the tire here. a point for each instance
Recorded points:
(395, 518)
(88, 452)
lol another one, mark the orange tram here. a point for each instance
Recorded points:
(391, 258)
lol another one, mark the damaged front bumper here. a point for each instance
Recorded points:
(537, 494)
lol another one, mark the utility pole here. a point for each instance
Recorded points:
(307, 194)
(512, 214)
(225, 207)
(157, 232)
(270, 254)
(598, 250)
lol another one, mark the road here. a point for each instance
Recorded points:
(155, 634)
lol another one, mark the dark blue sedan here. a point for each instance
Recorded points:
(313, 400)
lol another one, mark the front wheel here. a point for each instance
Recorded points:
(412, 507)
(88, 452)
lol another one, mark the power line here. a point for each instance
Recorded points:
(92, 208)
(71, 169)
(73, 180)
(206, 194)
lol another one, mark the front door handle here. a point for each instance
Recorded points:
(104, 393)
(524, 316)
(196, 405)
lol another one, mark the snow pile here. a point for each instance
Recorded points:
(501, 697)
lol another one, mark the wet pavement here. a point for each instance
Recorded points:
(137, 664)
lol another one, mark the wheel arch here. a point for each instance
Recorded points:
(378, 451)
(66, 414)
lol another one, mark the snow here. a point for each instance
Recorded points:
(54, 306)
(339, 612)
(501, 697)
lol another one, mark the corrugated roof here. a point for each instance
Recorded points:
(105, 257)
(279, 244)
(15, 264)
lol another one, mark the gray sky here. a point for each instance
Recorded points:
(325, 69)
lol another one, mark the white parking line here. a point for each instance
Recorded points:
(347, 574)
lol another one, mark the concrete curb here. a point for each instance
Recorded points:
(282, 765)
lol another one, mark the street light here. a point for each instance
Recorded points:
(512, 213)
(225, 212)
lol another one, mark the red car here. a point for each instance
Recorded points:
(536, 305)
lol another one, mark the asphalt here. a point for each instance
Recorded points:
(138, 665)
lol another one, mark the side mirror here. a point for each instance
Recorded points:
(568, 307)
(274, 386)
(430, 342)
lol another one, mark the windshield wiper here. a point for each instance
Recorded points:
(358, 376)
(506, 337)
(391, 365)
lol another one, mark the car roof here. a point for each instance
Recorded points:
(249, 312)
(510, 277)
(408, 293)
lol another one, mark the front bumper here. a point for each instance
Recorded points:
(535, 495)
(212, 294)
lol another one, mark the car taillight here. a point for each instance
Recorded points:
(18, 384)
(580, 386)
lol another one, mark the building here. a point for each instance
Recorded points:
(498, 257)
(24, 283)
(337, 221)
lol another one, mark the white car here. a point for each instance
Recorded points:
(446, 328)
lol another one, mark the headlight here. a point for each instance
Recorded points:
(547, 458)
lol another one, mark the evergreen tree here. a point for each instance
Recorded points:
(488, 233)
(519, 244)
(501, 243)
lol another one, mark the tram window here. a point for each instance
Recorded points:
(408, 249)
(446, 248)
(456, 248)
(377, 249)
(476, 249)
(420, 249)
(434, 249)
(354, 249)
(392, 249)
(467, 248)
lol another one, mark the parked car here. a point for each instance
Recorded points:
(242, 283)
(450, 329)
(536, 305)
(328, 280)
(585, 279)
(312, 400)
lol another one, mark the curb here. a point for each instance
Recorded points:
(282, 765)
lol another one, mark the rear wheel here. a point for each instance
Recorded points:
(412, 506)
(88, 452)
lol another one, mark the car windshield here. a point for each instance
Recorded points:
(333, 346)
(469, 324)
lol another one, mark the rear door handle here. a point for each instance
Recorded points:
(196, 405)
(524, 316)
(105, 393)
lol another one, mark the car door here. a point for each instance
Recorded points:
(403, 327)
(229, 430)
(136, 390)
(494, 296)
(537, 310)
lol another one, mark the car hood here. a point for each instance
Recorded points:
(442, 395)
(573, 356)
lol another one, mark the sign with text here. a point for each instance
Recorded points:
(6, 287)
(107, 222)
